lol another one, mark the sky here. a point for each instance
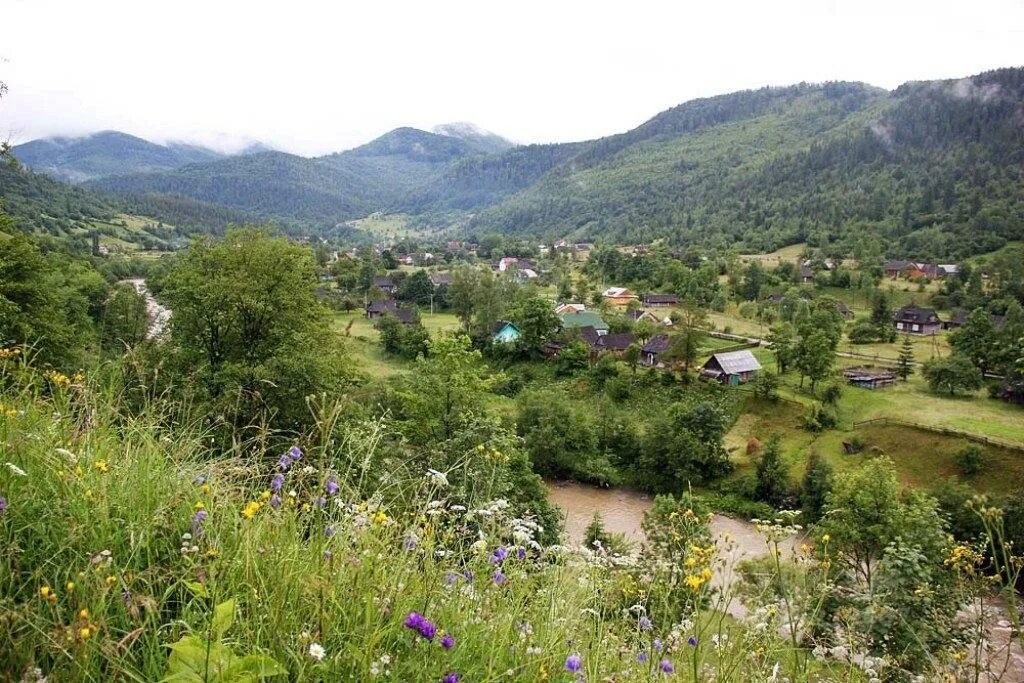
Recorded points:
(318, 77)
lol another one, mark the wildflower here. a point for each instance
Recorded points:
(448, 641)
(521, 553)
(645, 624)
(439, 479)
(317, 652)
(199, 480)
(277, 482)
(3, 505)
(417, 622)
(206, 489)
(328, 555)
(320, 502)
(69, 586)
(450, 677)
(101, 466)
(250, 510)
(111, 580)
(410, 542)
(666, 666)
(380, 517)
(450, 578)
(285, 462)
(692, 641)
(84, 633)
(199, 505)
(295, 452)
(468, 573)
(332, 486)
(826, 538)
(641, 657)
(83, 614)
(275, 501)
(199, 517)
(573, 662)
(499, 555)
(694, 582)
(16, 470)
(499, 577)
(329, 532)
(657, 644)
(44, 592)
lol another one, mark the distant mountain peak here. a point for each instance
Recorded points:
(483, 139)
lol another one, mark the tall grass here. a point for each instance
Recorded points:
(133, 551)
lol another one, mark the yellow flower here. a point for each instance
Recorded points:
(44, 591)
(265, 495)
(101, 465)
(70, 586)
(380, 517)
(690, 563)
(78, 470)
(206, 489)
(84, 632)
(111, 580)
(826, 538)
(88, 494)
(705, 574)
(199, 505)
(694, 582)
(83, 613)
(251, 508)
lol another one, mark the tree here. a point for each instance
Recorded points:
(766, 385)
(125, 320)
(815, 356)
(685, 446)
(905, 360)
(572, 359)
(448, 384)
(249, 328)
(976, 340)
(461, 294)
(416, 289)
(754, 277)
(536, 322)
(783, 345)
(815, 487)
(952, 375)
(771, 473)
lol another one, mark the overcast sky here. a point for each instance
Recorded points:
(316, 77)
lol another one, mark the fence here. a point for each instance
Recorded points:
(948, 431)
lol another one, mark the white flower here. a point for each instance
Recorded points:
(309, 469)
(17, 470)
(438, 478)
(385, 659)
(67, 454)
(317, 652)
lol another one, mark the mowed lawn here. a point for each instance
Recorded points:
(362, 340)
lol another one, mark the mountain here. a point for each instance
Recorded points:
(109, 152)
(483, 140)
(932, 170)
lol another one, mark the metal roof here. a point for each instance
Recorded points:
(735, 362)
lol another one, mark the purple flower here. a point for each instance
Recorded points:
(428, 630)
(3, 504)
(450, 677)
(409, 543)
(328, 555)
(641, 657)
(200, 517)
(645, 624)
(692, 641)
(277, 482)
(197, 523)
(199, 480)
(521, 553)
(500, 553)
(451, 578)
(275, 501)
(126, 596)
(417, 622)
(447, 641)
(468, 574)
(573, 662)
(320, 502)
(285, 462)
(332, 486)
(666, 666)
(499, 577)
(329, 532)
(657, 644)
(295, 452)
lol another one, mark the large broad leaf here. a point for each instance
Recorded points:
(223, 617)
(253, 668)
(197, 589)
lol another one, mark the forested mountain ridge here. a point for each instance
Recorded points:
(933, 168)
(77, 159)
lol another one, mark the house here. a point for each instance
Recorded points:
(806, 274)
(732, 368)
(524, 275)
(579, 319)
(513, 263)
(570, 308)
(947, 269)
(619, 296)
(652, 351)
(385, 284)
(660, 300)
(638, 314)
(379, 307)
(590, 335)
(438, 279)
(844, 310)
(892, 269)
(507, 333)
(869, 376)
(917, 320)
(616, 343)
(960, 317)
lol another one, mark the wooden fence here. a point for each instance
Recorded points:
(948, 431)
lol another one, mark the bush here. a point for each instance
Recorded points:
(969, 460)
(818, 419)
(866, 333)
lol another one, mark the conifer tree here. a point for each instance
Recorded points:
(905, 361)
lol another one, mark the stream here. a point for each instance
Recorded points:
(158, 313)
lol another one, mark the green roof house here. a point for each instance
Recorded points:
(576, 319)
(507, 333)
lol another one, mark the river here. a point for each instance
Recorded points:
(158, 313)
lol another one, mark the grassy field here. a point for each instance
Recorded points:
(773, 259)
(362, 340)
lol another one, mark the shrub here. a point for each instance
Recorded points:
(818, 419)
(969, 460)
